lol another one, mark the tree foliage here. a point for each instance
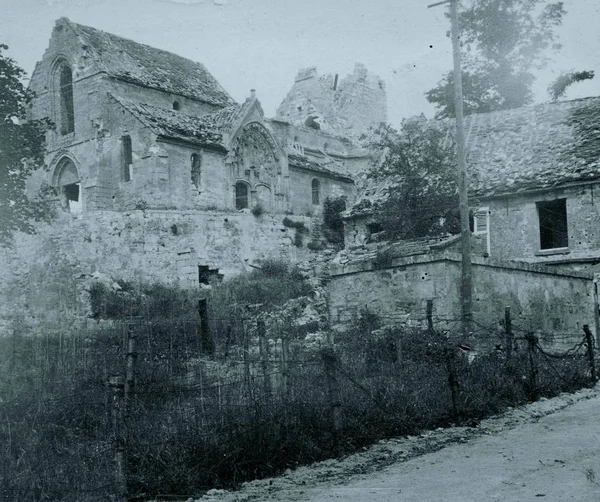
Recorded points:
(502, 43)
(558, 88)
(22, 148)
(418, 172)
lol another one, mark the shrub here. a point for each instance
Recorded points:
(333, 225)
(258, 210)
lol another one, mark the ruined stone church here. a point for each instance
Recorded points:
(162, 176)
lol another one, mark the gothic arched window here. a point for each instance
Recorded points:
(241, 195)
(126, 158)
(316, 186)
(67, 110)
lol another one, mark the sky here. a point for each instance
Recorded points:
(261, 44)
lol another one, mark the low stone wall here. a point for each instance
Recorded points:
(552, 303)
(46, 276)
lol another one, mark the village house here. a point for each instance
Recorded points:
(534, 175)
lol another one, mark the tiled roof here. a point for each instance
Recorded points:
(175, 124)
(534, 147)
(332, 169)
(144, 65)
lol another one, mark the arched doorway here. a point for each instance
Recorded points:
(66, 177)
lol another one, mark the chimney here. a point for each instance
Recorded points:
(252, 93)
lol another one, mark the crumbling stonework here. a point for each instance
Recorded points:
(351, 106)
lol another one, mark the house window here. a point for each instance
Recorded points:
(241, 195)
(67, 112)
(196, 162)
(127, 158)
(316, 186)
(481, 225)
(553, 224)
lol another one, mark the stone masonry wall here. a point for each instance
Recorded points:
(46, 276)
(549, 302)
(515, 231)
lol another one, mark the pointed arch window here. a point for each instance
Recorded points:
(316, 188)
(126, 158)
(196, 166)
(241, 195)
(66, 178)
(67, 109)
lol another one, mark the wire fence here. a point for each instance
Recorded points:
(148, 408)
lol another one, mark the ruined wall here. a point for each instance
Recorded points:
(515, 229)
(45, 276)
(551, 302)
(350, 106)
(301, 191)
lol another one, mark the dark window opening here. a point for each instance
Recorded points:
(374, 228)
(241, 195)
(553, 224)
(176, 105)
(206, 275)
(315, 191)
(67, 111)
(196, 161)
(72, 197)
(127, 157)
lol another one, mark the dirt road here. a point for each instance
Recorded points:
(544, 451)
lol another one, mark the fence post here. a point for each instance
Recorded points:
(509, 333)
(116, 385)
(285, 364)
(430, 315)
(333, 392)
(452, 378)
(533, 371)
(596, 307)
(590, 351)
(131, 356)
(264, 354)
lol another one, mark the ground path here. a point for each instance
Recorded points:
(548, 450)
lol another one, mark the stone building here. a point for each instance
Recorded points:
(162, 177)
(140, 127)
(534, 177)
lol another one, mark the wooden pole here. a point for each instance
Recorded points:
(246, 353)
(590, 351)
(285, 364)
(131, 356)
(333, 391)
(509, 333)
(116, 385)
(533, 371)
(452, 379)
(465, 231)
(596, 308)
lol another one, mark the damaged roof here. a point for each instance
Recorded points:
(332, 168)
(144, 65)
(539, 147)
(174, 124)
(535, 147)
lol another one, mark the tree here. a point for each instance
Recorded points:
(558, 88)
(22, 148)
(502, 43)
(418, 173)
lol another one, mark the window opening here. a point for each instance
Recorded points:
(241, 195)
(196, 162)
(72, 195)
(67, 112)
(127, 158)
(206, 274)
(176, 105)
(553, 224)
(315, 191)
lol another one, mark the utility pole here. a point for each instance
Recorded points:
(465, 232)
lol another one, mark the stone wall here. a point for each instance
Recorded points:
(46, 276)
(542, 300)
(515, 229)
(301, 191)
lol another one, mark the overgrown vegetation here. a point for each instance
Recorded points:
(418, 178)
(559, 87)
(300, 230)
(195, 423)
(333, 225)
